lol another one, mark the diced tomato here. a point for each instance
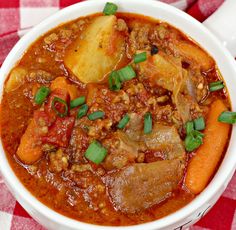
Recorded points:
(42, 118)
(143, 96)
(59, 129)
(60, 132)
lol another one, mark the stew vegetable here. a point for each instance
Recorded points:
(109, 119)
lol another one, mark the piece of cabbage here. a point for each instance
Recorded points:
(194, 55)
(166, 71)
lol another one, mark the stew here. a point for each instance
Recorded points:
(109, 119)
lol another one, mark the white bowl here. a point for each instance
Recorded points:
(192, 212)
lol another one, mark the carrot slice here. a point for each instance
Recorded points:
(29, 151)
(61, 83)
(203, 165)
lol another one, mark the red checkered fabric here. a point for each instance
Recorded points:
(16, 18)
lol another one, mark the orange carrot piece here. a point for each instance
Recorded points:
(203, 165)
(29, 151)
(72, 91)
(61, 83)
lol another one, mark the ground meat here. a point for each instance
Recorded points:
(139, 38)
(40, 76)
(58, 161)
(99, 128)
(48, 148)
(79, 142)
(81, 168)
(113, 103)
(51, 38)
(79, 25)
(121, 25)
(164, 113)
(162, 31)
(65, 34)
(138, 96)
(121, 96)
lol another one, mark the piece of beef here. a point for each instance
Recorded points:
(140, 186)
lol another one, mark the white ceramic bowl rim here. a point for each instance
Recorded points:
(224, 61)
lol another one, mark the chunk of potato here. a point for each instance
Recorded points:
(16, 79)
(98, 52)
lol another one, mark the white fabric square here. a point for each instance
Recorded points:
(32, 16)
(5, 221)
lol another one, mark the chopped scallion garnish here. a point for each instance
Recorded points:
(96, 152)
(147, 123)
(126, 73)
(193, 140)
(189, 127)
(96, 115)
(199, 123)
(76, 102)
(110, 8)
(214, 86)
(227, 117)
(54, 106)
(41, 95)
(82, 111)
(140, 57)
(114, 81)
(123, 122)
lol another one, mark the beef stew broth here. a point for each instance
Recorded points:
(141, 179)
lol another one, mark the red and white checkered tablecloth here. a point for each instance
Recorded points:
(16, 18)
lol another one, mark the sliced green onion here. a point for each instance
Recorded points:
(114, 81)
(41, 95)
(82, 111)
(126, 73)
(193, 140)
(123, 122)
(96, 115)
(140, 57)
(96, 152)
(110, 8)
(189, 127)
(227, 117)
(76, 102)
(216, 83)
(214, 86)
(199, 123)
(57, 99)
(147, 123)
